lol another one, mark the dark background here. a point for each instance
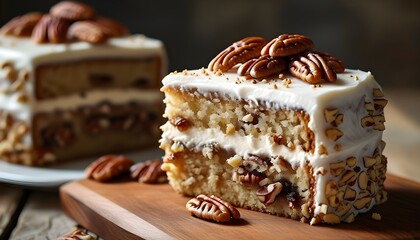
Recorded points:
(382, 36)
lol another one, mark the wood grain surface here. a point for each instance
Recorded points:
(41, 218)
(9, 204)
(130, 210)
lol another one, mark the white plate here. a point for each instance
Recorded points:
(56, 175)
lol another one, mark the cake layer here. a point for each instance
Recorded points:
(245, 119)
(250, 181)
(97, 129)
(58, 79)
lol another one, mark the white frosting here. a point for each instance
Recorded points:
(24, 111)
(348, 94)
(25, 52)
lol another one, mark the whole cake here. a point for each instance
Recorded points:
(279, 128)
(74, 84)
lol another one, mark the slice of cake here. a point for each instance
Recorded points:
(294, 135)
(74, 84)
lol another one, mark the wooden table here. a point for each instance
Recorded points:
(36, 214)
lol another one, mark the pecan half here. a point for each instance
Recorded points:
(50, 29)
(76, 234)
(267, 194)
(88, 31)
(287, 45)
(336, 64)
(262, 67)
(327, 72)
(212, 208)
(112, 28)
(305, 69)
(149, 172)
(239, 52)
(73, 11)
(108, 167)
(21, 26)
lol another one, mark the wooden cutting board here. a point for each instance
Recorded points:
(131, 210)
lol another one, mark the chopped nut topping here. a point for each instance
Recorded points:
(379, 122)
(286, 82)
(367, 121)
(21, 98)
(369, 161)
(330, 114)
(322, 149)
(369, 108)
(337, 168)
(349, 218)
(305, 210)
(331, 188)
(180, 123)
(343, 209)
(235, 161)
(6, 64)
(248, 118)
(268, 194)
(379, 104)
(351, 161)
(323, 209)
(331, 218)
(349, 178)
(10, 74)
(363, 180)
(376, 216)
(377, 92)
(362, 203)
(333, 133)
(230, 129)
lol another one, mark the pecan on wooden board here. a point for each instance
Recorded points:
(149, 172)
(212, 208)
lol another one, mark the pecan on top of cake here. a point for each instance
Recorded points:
(291, 53)
(66, 21)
